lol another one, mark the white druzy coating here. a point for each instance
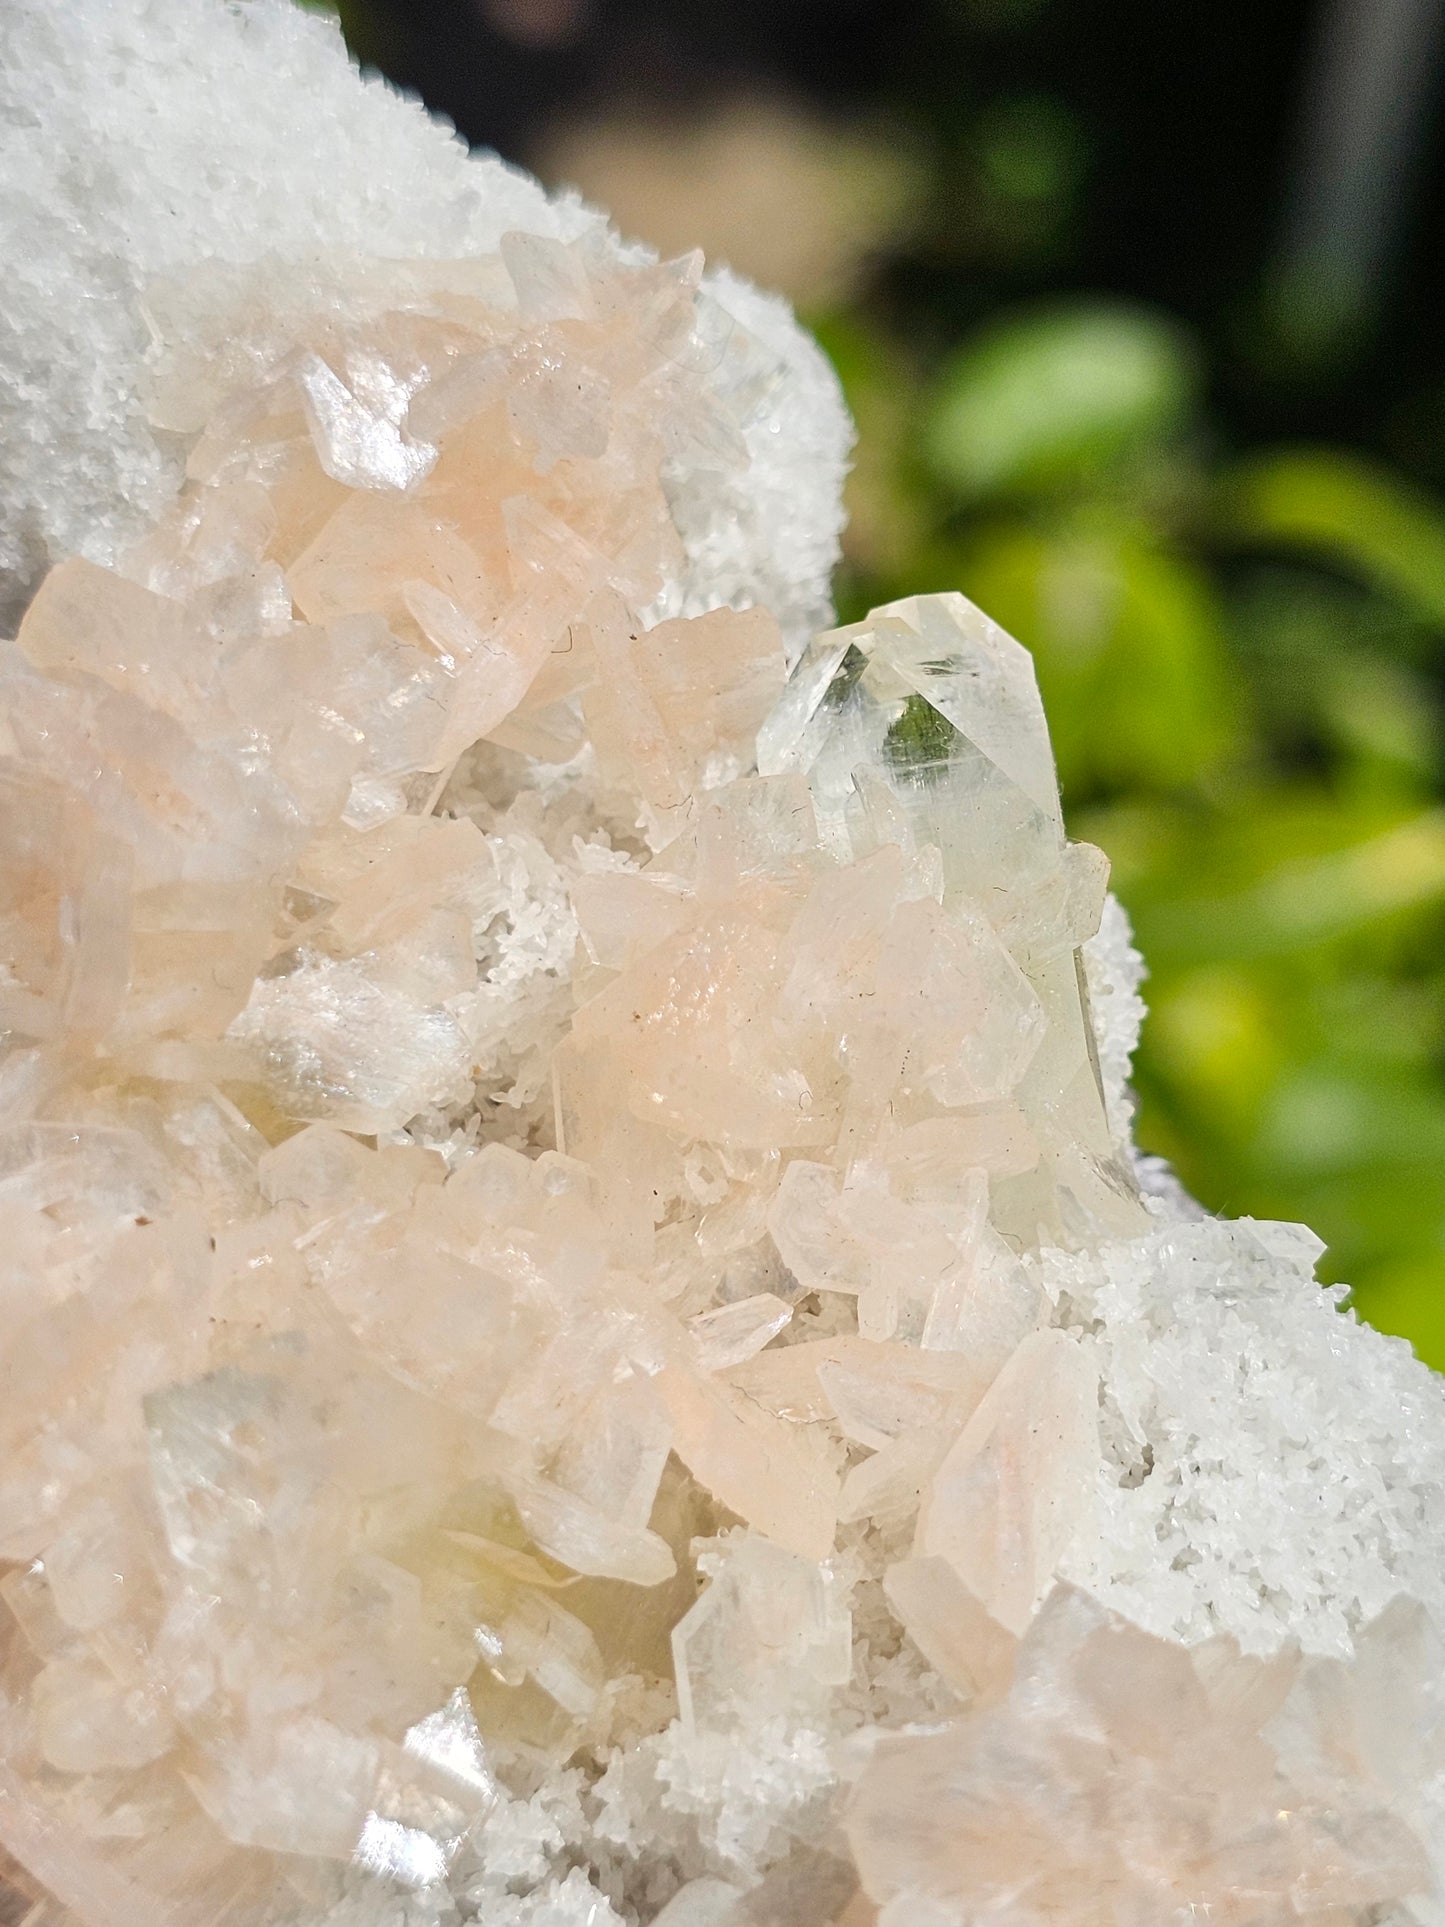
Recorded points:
(142, 137)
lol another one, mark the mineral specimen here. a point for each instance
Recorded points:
(583, 1341)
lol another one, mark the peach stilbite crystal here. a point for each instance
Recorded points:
(583, 1342)
(1124, 1778)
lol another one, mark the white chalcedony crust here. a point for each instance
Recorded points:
(584, 1342)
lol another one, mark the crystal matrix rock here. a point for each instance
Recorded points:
(582, 1340)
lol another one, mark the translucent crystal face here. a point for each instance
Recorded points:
(536, 1154)
(922, 727)
(935, 699)
(1117, 1765)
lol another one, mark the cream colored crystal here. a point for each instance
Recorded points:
(1013, 1489)
(1123, 1778)
(527, 1142)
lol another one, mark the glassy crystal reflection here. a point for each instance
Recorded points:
(534, 1229)
(922, 726)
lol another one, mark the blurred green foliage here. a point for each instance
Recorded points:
(1242, 661)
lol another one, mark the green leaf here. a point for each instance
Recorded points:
(1310, 900)
(1131, 655)
(1032, 149)
(1346, 512)
(1327, 1117)
(1408, 1297)
(1046, 397)
(1332, 664)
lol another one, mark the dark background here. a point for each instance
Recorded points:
(1189, 122)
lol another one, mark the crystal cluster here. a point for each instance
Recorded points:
(583, 1342)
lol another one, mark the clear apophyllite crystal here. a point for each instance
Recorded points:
(922, 726)
(573, 1284)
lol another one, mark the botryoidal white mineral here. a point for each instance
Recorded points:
(583, 1339)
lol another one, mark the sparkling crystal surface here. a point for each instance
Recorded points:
(582, 1340)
